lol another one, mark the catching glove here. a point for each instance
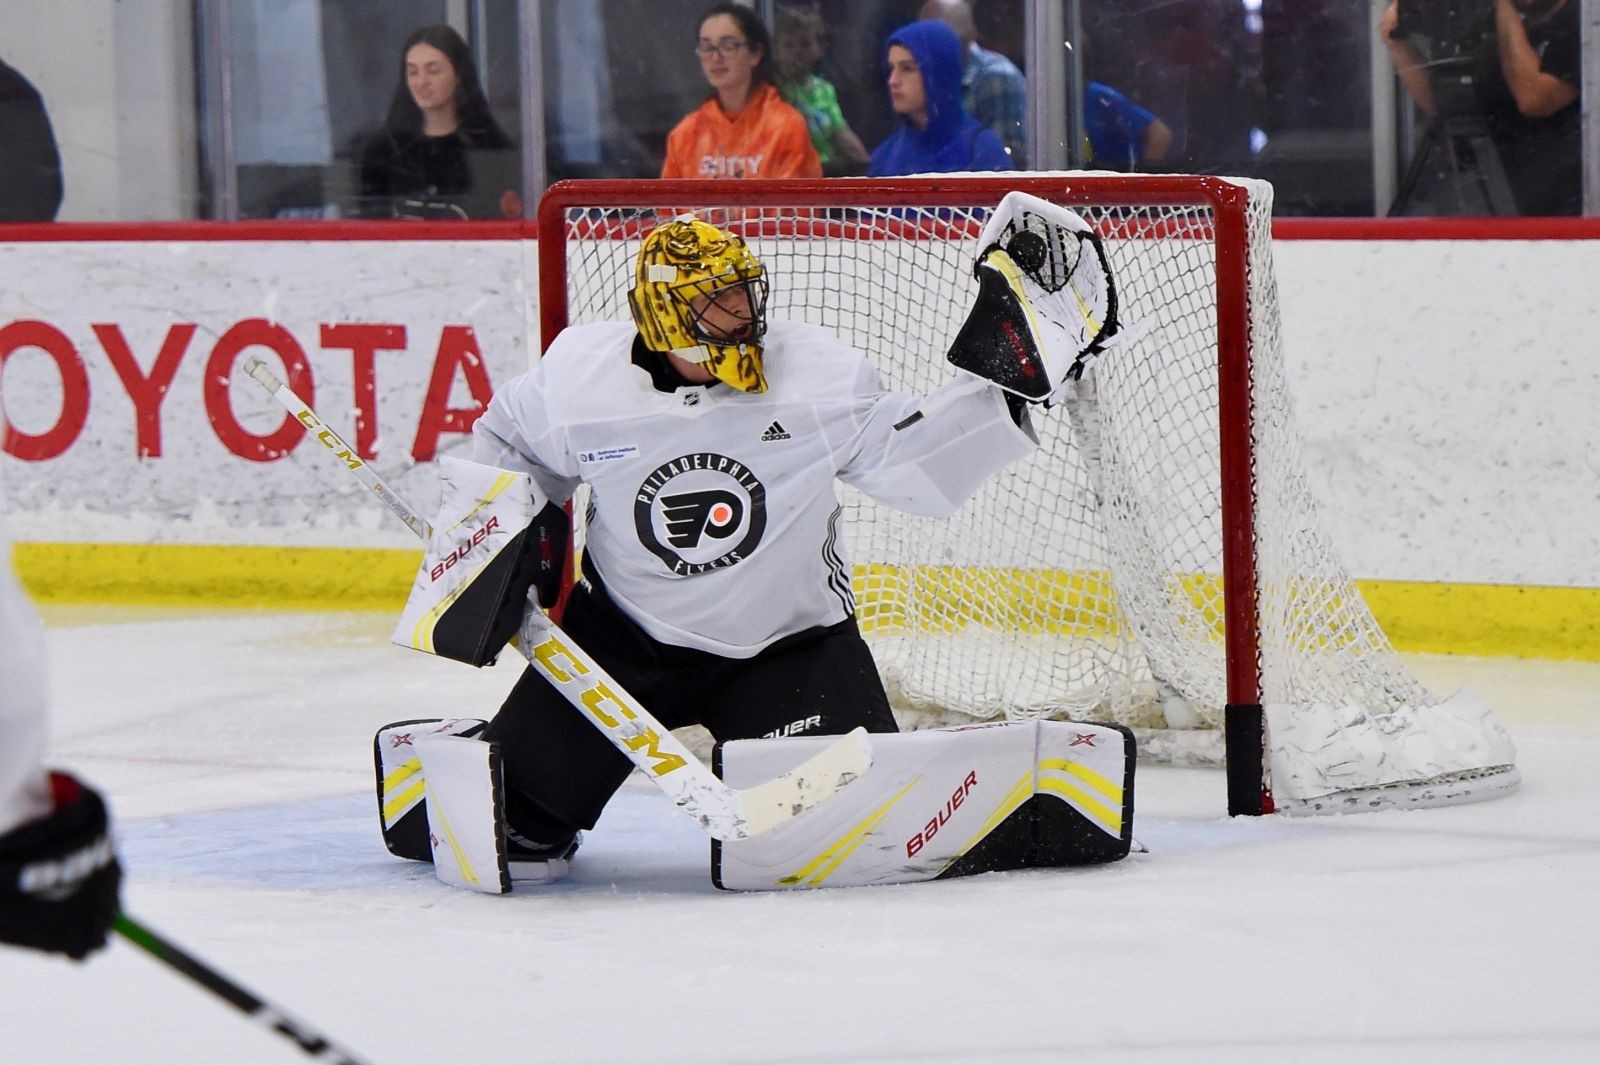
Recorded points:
(1047, 301)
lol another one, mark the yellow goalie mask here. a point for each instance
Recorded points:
(701, 294)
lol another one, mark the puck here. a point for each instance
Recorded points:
(1027, 250)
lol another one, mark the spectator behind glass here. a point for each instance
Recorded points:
(440, 153)
(935, 134)
(801, 40)
(1000, 25)
(744, 129)
(30, 166)
(1121, 134)
(993, 90)
(1526, 87)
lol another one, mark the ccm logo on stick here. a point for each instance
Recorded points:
(461, 552)
(952, 804)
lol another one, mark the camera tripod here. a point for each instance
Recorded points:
(1457, 149)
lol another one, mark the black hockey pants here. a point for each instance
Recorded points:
(560, 771)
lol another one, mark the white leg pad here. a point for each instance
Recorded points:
(940, 802)
(401, 782)
(466, 812)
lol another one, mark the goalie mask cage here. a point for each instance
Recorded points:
(1157, 562)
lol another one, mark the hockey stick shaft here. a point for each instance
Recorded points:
(724, 812)
(258, 1009)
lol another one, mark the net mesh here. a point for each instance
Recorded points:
(1086, 581)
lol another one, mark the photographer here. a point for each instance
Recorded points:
(1525, 65)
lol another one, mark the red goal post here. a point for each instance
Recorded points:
(1131, 558)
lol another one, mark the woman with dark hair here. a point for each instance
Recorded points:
(744, 129)
(440, 153)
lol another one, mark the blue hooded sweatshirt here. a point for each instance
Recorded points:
(953, 139)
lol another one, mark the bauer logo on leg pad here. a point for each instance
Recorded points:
(923, 835)
(941, 803)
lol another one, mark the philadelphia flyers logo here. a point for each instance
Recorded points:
(695, 514)
(700, 512)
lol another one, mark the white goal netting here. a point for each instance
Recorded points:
(1087, 581)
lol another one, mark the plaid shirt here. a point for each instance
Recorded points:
(992, 90)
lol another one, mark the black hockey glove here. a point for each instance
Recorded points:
(59, 876)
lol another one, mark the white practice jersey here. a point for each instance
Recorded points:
(713, 518)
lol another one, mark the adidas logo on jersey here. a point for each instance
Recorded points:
(775, 431)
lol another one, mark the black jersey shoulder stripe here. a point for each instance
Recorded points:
(838, 574)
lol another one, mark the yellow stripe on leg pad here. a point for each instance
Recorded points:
(465, 866)
(1110, 819)
(818, 869)
(394, 807)
(1108, 816)
(401, 772)
(1088, 776)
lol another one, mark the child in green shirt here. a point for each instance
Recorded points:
(799, 43)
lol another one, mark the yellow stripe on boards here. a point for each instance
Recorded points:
(1027, 601)
(210, 576)
(1476, 619)
(1495, 620)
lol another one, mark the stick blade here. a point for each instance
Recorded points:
(816, 780)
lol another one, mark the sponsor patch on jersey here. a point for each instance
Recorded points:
(607, 454)
(700, 512)
(775, 431)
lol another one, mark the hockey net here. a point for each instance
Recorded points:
(1158, 562)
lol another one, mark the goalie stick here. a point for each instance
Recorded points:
(724, 812)
(251, 1005)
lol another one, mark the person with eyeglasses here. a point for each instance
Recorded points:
(744, 129)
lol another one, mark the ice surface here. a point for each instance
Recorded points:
(235, 749)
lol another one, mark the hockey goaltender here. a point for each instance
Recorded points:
(715, 590)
